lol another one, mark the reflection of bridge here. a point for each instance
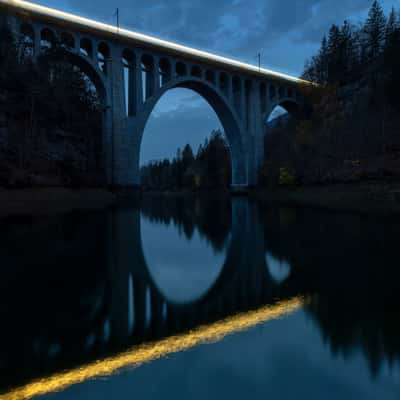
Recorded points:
(240, 293)
(120, 61)
(244, 281)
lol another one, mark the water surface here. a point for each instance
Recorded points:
(184, 297)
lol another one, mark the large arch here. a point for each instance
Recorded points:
(86, 66)
(223, 110)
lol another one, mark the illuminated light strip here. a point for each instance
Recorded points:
(50, 12)
(138, 355)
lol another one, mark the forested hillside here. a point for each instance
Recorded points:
(210, 168)
(44, 138)
(354, 132)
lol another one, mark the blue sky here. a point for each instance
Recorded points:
(285, 32)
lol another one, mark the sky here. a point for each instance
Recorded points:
(285, 32)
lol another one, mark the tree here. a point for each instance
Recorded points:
(334, 64)
(374, 29)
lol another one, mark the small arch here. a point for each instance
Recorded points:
(290, 93)
(47, 38)
(103, 55)
(281, 92)
(27, 39)
(210, 76)
(196, 71)
(147, 66)
(129, 63)
(272, 92)
(67, 40)
(164, 70)
(180, 69)
(128, 58)
(86, 47)
(223, 83)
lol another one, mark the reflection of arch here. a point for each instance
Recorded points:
(223, 110)
(177, 281)
(236, 260)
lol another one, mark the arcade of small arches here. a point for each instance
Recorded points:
(131, 80)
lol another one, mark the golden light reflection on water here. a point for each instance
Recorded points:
(138, 355)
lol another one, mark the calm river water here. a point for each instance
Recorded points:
(191, 298)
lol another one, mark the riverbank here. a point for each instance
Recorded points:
(365, 197)
(44, 201)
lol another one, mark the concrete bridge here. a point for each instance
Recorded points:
(132, 72)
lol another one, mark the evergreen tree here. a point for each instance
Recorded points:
(374, 29)
(334, 56)
(348, 51)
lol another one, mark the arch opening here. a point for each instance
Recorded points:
(180, 69)
(164, 70)
(129, 67)
(210, 76)
(77, 106)
(67, 40)
(210, 111)
(223, 83)
(148, 78)
(86, 47)
(27, 40)
(103, 55)
(196, 71)
(47, 39)
(282, 164)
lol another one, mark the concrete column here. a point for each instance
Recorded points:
(37, 46)
(77, 42)
(122, 141)
(229, 91)
(155, 76)
(132, 99)
(255, 136)
(139, 84)
(242, 102)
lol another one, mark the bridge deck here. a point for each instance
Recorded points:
(125, 35)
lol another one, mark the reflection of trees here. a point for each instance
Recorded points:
(52, 290)
(350, 264)
(211, 215)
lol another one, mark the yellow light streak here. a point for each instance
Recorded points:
(138, 355)
(146, 39)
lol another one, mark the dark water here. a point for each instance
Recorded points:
(189, 298)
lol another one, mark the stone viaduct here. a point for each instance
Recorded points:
(131, 72)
